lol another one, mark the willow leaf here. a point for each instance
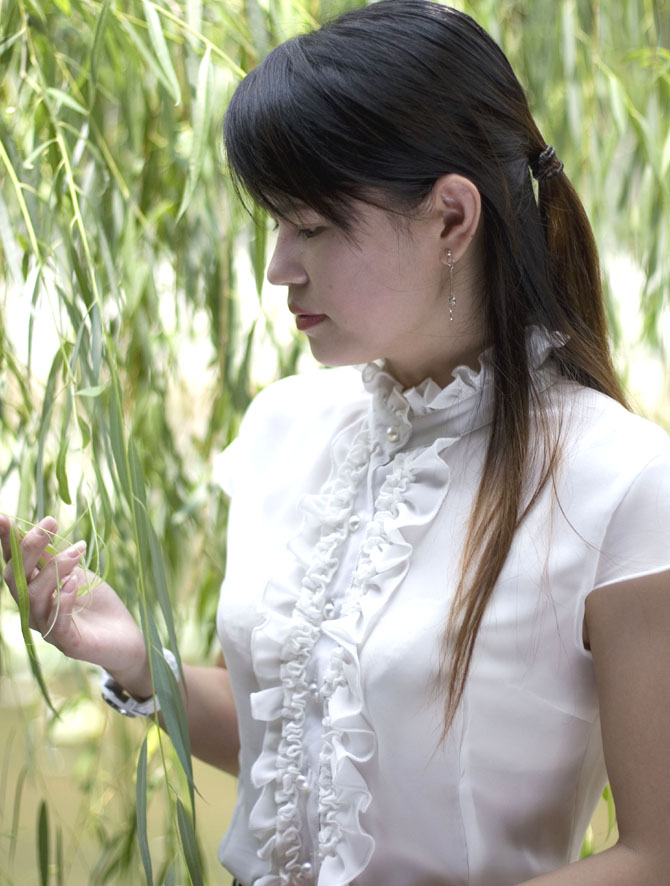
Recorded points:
(62, 98)
(16, 813)
(61, 468)
(189, 844)
(96, 48)
(96, 342)
(117, 440)
(149, 58)
(43, 843)
(157, 38)
(201, 120)
(24, 614)
(160, 584)
(61, 460)
(611, 811)
(172, 706)
(45, 419)
(93, 391)
(141, 808)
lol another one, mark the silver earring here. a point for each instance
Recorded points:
(452, 297)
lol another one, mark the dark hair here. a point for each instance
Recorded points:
(383, 101)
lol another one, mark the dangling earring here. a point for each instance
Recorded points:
(452, 297)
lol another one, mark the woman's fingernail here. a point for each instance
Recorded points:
(76, 550)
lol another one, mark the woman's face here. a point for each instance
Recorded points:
(383, 293)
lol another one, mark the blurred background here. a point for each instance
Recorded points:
(135, 326)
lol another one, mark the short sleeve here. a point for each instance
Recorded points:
(637, 540)
(235, 465)
(225, 467)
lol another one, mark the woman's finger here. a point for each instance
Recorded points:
(49, 580)
(60, 615)
(32, 548)
(4, 538)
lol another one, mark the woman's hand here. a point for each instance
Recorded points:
(94, 627)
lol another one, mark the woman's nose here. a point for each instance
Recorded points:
(286, 267)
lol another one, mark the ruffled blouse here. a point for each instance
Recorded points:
(350, 499)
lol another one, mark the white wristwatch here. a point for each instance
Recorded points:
(117, 697)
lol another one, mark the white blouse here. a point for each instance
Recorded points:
(349, 503)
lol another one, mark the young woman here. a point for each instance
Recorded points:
(447, 600)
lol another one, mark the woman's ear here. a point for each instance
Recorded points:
(457, 205)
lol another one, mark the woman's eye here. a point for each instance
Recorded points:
(308, 232)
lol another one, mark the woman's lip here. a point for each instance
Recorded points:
(306, 321)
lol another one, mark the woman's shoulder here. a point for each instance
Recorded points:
(288, 425)
(309, 398)
(604, 435)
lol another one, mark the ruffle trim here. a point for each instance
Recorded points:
(281, 647)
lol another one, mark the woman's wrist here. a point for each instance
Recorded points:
(125, 697)
(135, 678)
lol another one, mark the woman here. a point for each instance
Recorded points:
(447, 600)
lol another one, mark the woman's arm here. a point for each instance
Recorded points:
(98, 628)
(628, 626)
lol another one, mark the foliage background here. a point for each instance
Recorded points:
(135, 327)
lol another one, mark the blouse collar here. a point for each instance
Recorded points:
(419, 415)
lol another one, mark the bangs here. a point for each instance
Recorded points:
(281, 142)
(322, 122)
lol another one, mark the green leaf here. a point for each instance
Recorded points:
(160, 584)
(96, 48)
(189, 844)
(137, 481)
(201, 120)
(24, 613)
(117, 440)
(258, 28)
(157, 38)
(93, 391)
(64, 99)
(96, 341)
(588, 844)
(43, 843)
(45, 420)
(172, 706)
(16, 813)
(141, 808)
(61, 460)
(61, 470)
(611, 811)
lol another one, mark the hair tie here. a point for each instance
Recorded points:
(546, 164)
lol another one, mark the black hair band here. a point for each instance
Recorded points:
(546, 164)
